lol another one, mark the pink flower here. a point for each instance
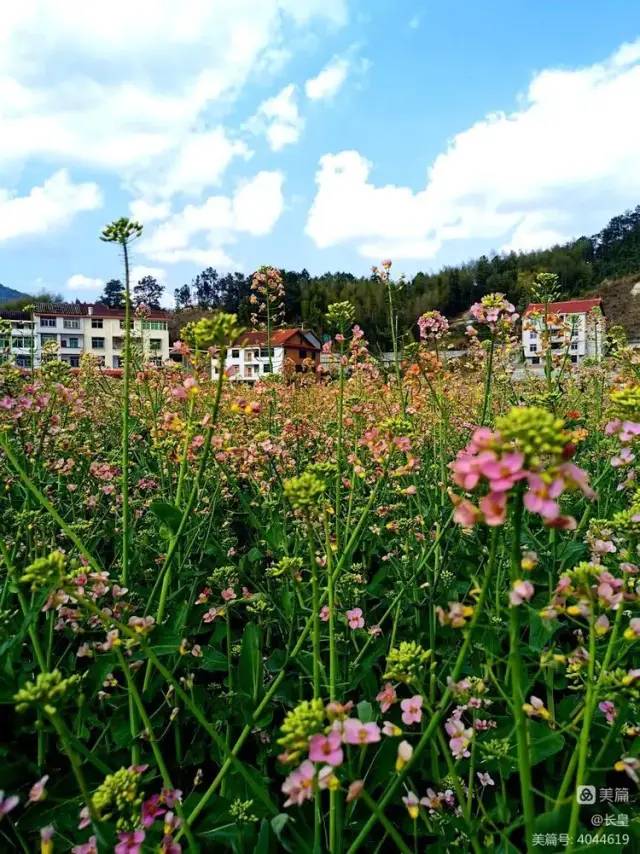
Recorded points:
(405, 752)
(412, 710)
(387, 697)
(485, 779)
(503, 473)
(459, 735)
(38, 791)
(210, 615)
(89, 847)
(356, 732)
(522, 592)
(390, 729)
(228, 594)
(466, 513)
(609, 710)
(412, 804)
(355, 618)
(324, 613)
(326, 748)
(540, 497)
(299, 784)
(130, 843)
(494, 508)
(151, 810)
(7, 804)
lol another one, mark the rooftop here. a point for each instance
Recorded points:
(571, 306)
(279, 337)
(86, 309)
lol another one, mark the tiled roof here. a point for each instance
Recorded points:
(279, 338)
(82, 309)
(14, 315)
(571, 306)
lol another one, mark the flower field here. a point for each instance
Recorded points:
(356, 611)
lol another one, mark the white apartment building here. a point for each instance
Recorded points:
(17, 341)
(576, 327)
(80, 328)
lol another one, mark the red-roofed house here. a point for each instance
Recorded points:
(294, 350)
(576, 326)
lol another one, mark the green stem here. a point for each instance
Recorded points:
(487, 382)
(125, 420)
(157, 753)
(441, 708)
(518, 679)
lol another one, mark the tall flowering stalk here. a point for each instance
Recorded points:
(383, 275)
(267, 301)
(496, 313)
(124, 231)
(526, 459)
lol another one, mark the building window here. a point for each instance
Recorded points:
(154, 324)
(74, 361)
(574, 359)
(70, 343)
(124, 326)
(302, 354)
(574, 345)
(533, 336)
(248, 371)
(155, 344)
(4, 343)
(71, 324)
(555, 345)
(155, 361)
(47, 338)
(117, 361)
(265, 352)
(97, 343)
(47, 321)
(20, 342)
(235, 354)
(535, 360)
(97, 323)
(23, 361)
(117, 343)
(266, 369)
(533, 348)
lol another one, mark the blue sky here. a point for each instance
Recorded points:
(318, 133)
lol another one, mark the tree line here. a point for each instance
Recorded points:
(581, 265)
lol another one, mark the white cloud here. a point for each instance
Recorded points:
(139, 271)
(51, 205)
(78, 87)
(200, 233)
(557, 167)
(145, 212)
(279, 119)
(80, 282)
(329, 81)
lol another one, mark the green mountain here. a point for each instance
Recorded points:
(7, 294)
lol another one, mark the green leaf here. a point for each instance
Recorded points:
(250, 667)
(365, 711)
(544, 742)
(213, 660)
(167, 513)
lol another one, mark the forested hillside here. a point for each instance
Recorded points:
(581, 266)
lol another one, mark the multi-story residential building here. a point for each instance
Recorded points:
(17, 342)
(80, 328)
(292, 351)
(575, 330)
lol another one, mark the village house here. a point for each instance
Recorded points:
(74, 329)
(576, 330)
(292, 351)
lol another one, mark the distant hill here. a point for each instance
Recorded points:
(7, 294)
